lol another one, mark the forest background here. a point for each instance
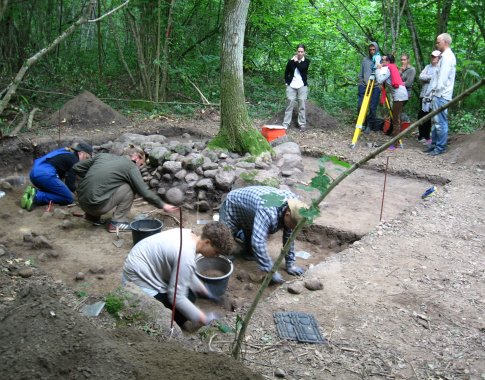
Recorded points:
(152, 57)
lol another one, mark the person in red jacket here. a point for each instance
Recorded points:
(388, 73)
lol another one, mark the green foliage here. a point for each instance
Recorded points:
(466, 121)
(249, 177)
(272, 200)
(114, 304)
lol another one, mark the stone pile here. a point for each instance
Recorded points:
(186, 172)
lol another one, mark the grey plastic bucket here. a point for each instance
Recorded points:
(216, 285)
(142, 228)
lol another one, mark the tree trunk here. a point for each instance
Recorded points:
(168, 32)
(3, 8)
(236, 133)
(157, 60)
(414, 40)
(442, 15)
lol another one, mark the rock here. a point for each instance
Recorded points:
(289, 161)
(314, 284)
(40, 242)
(67, 224)
(154, 183)
(205, 183)
(225, 179)
(174, 196)
(210, 166)
(186, 136)
(257, 277)
(278, 372)
(203, 206)
(295, 288)
(25, 272)
(181, 174)
(80, 276)
(210, 173)
(158, 154)
(172, 166)
(98, 269)
(202, 195)
(246, 165)
(53, 254)
(27, 237)
(167, 177)
(191, 177)
(289, 147)
(59, 213)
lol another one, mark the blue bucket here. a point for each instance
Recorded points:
(214, 272)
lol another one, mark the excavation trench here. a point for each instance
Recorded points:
(352, 210)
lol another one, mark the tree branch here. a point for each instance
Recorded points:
(111, 11)
(236, 349)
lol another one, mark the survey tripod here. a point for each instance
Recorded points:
(363, 110)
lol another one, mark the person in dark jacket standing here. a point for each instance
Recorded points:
(53, 177)
(110, 182)
(297, 87)
(367, 70)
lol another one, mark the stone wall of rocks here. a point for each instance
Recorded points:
(186, 172)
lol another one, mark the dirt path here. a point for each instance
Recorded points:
(406, 301)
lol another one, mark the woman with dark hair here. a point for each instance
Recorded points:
(388, 73)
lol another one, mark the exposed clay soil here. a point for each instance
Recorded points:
(405, 300)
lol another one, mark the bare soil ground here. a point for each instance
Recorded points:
(402, 298)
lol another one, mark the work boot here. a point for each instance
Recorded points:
(27, 200)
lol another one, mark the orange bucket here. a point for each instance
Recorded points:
(273, 133)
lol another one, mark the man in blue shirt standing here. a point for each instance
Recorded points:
(442, 91)
(245, 213)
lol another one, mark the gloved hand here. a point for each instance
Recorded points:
(277, 278)
(211, 317)
(294, 270)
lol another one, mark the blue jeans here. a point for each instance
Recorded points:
(439, 131)
(50, 186)
(374, 102)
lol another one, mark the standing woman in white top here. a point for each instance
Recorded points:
(297, 87)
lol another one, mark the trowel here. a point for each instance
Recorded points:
(118, 242)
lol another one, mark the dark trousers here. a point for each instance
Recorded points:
(179, 318)
(374, 102)
(425, 128)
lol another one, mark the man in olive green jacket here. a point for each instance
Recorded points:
(110, 182)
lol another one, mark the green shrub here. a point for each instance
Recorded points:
(114, 304)
(466, 121)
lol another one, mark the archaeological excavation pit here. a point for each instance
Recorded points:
(90, 260)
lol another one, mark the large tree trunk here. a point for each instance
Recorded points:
(237, 133)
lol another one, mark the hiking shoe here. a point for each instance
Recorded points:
(27, 200)
(435, 152)
(429, 149)
(114, 227)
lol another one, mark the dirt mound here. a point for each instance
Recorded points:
(315, 116)
(86, 111)
(468, 149)
(44, 338)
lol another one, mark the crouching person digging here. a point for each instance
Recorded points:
(152, 265)
(251, 222)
